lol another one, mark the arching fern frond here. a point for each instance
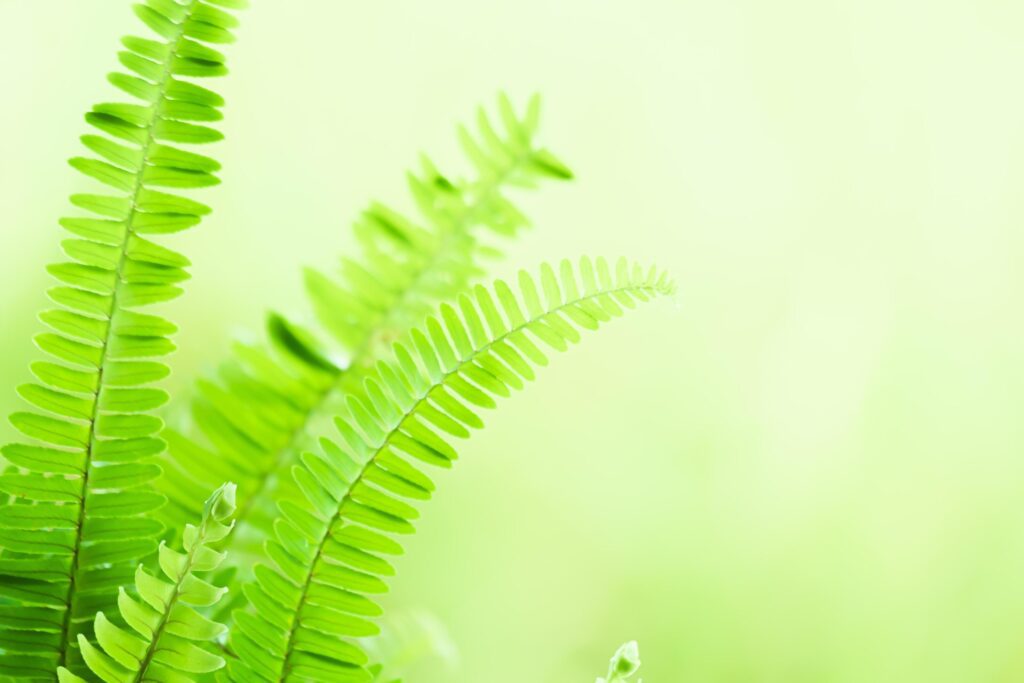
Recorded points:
(266, 401)
(326, 554)
(77, 526)
(166, 625)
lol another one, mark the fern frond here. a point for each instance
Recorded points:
(165, 622)
(406, 269)
(267, 399)
(77, 525)
(326, 553)
(624, 663)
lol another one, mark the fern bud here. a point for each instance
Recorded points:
(625, 662)
(224, 504)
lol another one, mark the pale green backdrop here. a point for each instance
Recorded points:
(808, 468)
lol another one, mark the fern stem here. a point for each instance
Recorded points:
(424, 396)
(147, 147)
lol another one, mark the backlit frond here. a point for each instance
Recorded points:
(78, 524)
(327, 556)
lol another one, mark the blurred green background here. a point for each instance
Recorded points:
(807, 468)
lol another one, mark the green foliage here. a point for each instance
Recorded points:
(265, 403)
(624, 663)
(164, 617)
(356, 494)
(86, 592)
(81, 514)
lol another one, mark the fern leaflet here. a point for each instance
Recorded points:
(328, 540)
(78, 522)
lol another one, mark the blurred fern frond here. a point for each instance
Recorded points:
(250, 422)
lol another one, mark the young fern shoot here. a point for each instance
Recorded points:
(166, 625)
(78, 523)
(265, 406)
(310, 599)
(624, 663)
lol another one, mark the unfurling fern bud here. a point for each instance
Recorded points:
(624, 663)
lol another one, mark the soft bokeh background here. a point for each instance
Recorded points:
(807, 469)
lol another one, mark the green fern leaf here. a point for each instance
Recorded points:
(77, 525)
(164, 619)
(354, 496)
(268, 400)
